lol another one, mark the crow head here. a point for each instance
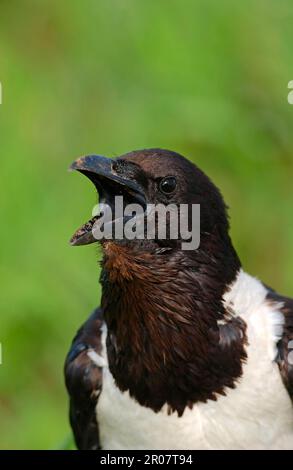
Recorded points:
(152, 177)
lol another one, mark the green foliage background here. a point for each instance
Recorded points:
(206, 78)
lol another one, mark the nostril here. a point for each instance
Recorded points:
(119, 166)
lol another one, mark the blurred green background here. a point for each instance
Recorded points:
(208, 79)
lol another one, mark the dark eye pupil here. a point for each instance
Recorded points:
(168, 185)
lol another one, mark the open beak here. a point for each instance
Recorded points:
(101, 171)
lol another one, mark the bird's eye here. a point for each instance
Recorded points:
(168, 185)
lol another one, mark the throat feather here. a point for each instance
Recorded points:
(165, 344)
